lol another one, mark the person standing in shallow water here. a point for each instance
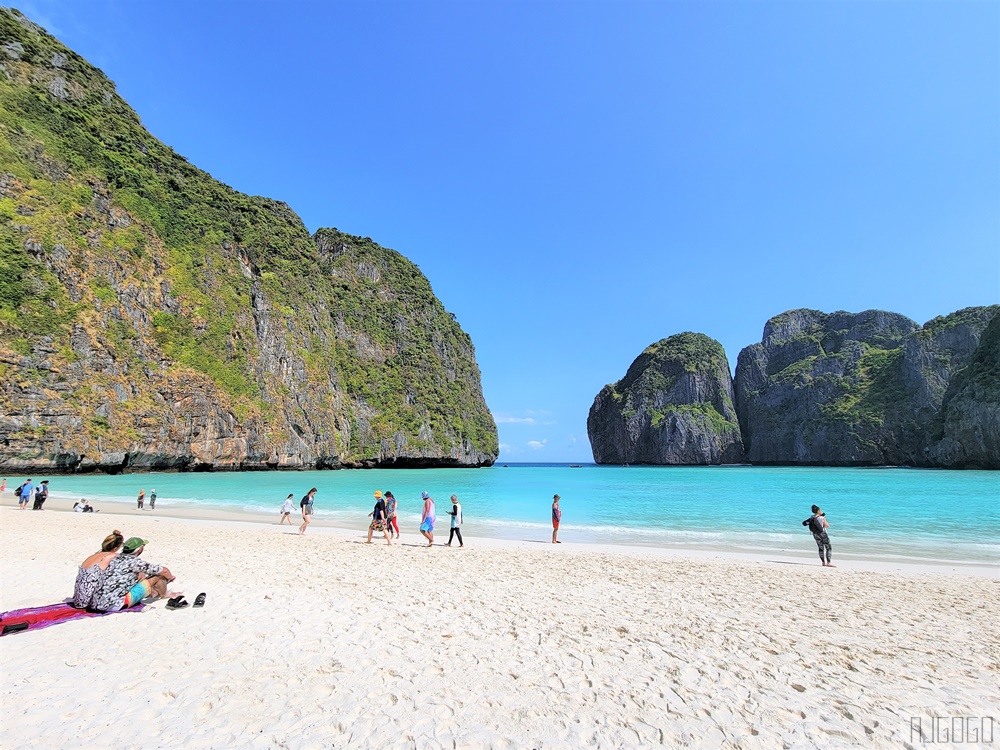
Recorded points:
(556, 519)
(152, 499)
(307, 509)
(818, 525)
(141, 499)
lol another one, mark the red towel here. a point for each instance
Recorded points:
(34, 618)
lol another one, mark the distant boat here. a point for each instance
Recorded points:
(576, 466)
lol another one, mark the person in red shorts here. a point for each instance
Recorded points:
(556, 518)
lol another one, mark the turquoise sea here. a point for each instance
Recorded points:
(886, 513)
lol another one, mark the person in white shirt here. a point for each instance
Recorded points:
(286, 510)
(456, 522)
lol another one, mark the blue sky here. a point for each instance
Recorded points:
(581, 179)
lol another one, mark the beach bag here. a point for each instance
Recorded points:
(815, 525)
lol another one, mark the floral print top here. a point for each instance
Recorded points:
(118, 578)
(87, 581)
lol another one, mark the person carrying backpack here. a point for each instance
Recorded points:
(24, 494)
(818, 525)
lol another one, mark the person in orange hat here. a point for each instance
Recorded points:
(378, 519)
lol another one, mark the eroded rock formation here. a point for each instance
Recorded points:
(674, 406)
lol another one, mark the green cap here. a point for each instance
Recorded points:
(133, 543)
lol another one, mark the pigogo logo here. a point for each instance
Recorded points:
(952, 730)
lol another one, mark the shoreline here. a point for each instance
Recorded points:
(223, 517)
(55, 471)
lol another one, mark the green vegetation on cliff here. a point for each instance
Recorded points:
(863, 388)
(115, 249)
(674, 406)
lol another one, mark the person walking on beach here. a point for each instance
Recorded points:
(41, 495)
(456, 522)
(378, 519)
(3, 487)
(427, 519)
(556, 519)
(152, 499)
(24, 494)
(141, 499)
(390, 515)
(307, 509)
(818, 525)
(286, 510)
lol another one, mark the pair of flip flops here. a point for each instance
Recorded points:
(179, 602)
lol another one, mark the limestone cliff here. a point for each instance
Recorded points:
(152, 317)
(970, 410)
(851, 389)
(674, 406)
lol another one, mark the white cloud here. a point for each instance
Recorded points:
(536, 445)
(531, 416)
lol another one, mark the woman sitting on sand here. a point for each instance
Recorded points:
(88, 578)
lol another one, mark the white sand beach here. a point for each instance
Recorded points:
(322, 641)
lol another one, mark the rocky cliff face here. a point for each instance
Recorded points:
(839, 389)
(151, 317)
(852, 389)
(970, 409)
(674, 406)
